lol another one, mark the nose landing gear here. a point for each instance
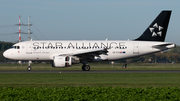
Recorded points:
(29, 66)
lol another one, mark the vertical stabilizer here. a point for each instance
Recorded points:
(157, 29)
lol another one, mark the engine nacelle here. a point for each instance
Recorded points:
(62, 61)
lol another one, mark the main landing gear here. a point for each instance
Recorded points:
(29, 66)
(85, 67)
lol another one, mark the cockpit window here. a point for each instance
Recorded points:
(15, 47)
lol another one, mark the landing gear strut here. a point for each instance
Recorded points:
(29, 66)
(85, 67)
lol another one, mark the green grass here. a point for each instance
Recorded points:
(96, 66)
(90, 79)
(90, 86)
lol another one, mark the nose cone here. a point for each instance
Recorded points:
(6, 54)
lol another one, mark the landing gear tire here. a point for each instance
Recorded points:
(29, 68)
(85, 67)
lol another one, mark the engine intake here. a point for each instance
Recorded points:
(62, 61)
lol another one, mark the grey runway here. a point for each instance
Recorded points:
(98, 71)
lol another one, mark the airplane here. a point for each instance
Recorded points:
(67, 53)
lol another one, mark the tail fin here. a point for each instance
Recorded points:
(157, 29)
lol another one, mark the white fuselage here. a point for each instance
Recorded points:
(46, 50)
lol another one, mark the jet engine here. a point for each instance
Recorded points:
(62, 61)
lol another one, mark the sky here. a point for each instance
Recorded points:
(85, 19)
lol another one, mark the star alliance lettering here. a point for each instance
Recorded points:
(79, 45)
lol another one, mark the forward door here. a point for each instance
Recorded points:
(28, 48)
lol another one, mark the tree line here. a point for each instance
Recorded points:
(170, 56)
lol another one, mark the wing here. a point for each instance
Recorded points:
(87, 55)
(90, 54)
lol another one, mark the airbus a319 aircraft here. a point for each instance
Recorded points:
(66, 53)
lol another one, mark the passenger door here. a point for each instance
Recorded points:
(28, 48)
(136, 48)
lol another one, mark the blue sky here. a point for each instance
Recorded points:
(85, 20)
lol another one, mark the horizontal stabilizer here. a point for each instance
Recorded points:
(164, 45)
